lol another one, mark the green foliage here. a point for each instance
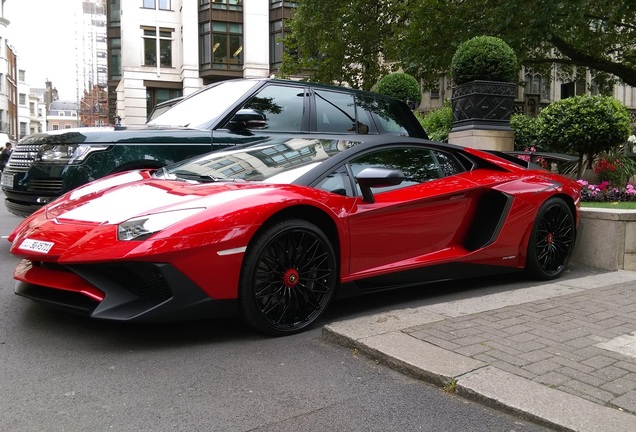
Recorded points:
(336, 42)
(352, 42)
(604, 83)
(438, 123)
(584, 125)
(526, 130)
(400, 86)
(484, 58)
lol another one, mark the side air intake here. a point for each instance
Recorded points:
(490, 215)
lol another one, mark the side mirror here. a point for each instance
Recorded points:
(246, 119)
(377, 178)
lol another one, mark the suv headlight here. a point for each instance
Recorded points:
(140, 228)
(66, 153)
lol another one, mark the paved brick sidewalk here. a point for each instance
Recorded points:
(583, 344)
(561, 352)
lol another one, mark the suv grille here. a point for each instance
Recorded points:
(23, 156)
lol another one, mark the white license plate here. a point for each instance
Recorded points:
(36, 245)
(7, 180)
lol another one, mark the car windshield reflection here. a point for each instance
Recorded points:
(281, 161)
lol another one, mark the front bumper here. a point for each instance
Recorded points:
(120, 291)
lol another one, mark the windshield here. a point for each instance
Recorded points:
(202, 107)
(282, 161)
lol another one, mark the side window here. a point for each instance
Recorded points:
(391, 115)
(336, 182)
(275, 108)
(419, 165)
(448, 164)
(335, 112)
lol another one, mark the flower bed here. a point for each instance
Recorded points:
(605, 192)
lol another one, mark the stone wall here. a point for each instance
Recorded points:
(607, 239)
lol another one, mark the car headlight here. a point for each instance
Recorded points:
(66, 153)
(142, 227)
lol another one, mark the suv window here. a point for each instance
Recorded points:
(390, 116)
(281, 107)
(336, 112)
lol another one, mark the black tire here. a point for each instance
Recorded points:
(552, 240)
(288, 278)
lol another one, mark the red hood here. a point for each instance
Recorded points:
(121, 197)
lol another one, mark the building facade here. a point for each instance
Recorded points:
(8, 82)
(162, 49)
(62, 114)
(91, 47)
(37, 111)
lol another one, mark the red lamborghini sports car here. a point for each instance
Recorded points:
(274, 231)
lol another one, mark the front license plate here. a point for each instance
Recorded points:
(36, 246)
(7, 180)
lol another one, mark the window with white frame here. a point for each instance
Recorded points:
(21, 75)
(157, 46)
(22, 99)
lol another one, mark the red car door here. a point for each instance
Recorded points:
(416, 222)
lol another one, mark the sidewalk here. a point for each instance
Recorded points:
(562, 353)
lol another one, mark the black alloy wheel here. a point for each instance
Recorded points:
(288, 278)
(552, 240)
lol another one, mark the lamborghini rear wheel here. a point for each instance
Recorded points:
(552, 240)
(288, 278)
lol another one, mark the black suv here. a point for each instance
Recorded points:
(44, 166)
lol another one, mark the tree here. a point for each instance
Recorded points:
(420, 36)
(584, 125)
(599, 35)
(338, 42)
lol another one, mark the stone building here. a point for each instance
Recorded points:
(162, 49)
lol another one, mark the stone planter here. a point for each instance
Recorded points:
(481, 115)
(483, 103)
(607, 239)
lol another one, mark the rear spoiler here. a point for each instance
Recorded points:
(530, 161)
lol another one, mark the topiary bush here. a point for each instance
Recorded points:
(584, 125)
(484, 58)
(438, 123)
(401, 86)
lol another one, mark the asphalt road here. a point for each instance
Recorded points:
(59, 372)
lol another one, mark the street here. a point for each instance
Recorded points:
(66, 373)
